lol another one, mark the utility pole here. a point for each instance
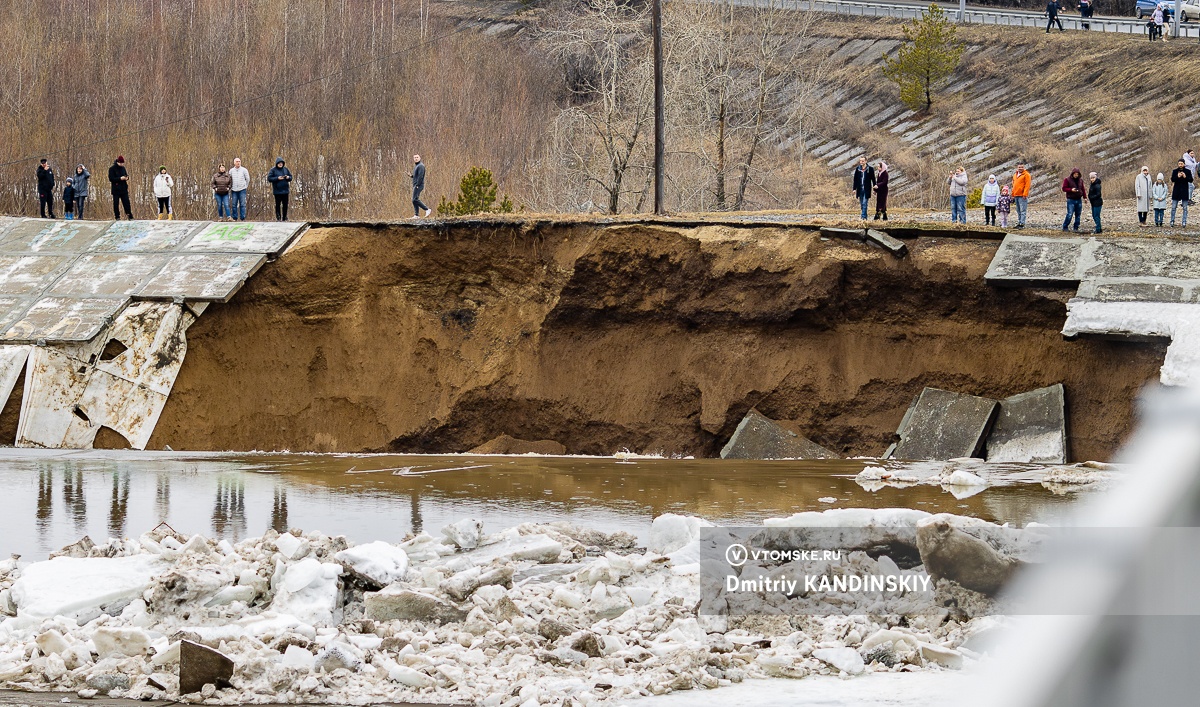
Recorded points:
(1178, 12)
(659, 128)
(962, 11)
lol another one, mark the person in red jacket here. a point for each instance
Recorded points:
(1076, 192)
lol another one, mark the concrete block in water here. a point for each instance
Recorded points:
(1031, 427)
(852, 234)
(759, 437)
(895, 245)
(944, 425)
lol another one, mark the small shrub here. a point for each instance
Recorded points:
(476, 195)
(975, 198)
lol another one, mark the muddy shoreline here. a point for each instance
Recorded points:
(650, 337)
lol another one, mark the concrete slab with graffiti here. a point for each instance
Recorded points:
(105, 306)
(244, 237)
(214, 278)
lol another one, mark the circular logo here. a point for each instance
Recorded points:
(736, 555)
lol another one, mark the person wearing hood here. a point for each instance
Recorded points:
(1181, 181)
(958, 195)
(45, 187)
(1076, 192)
(163, 183)
(68, 196)
(81, 178)
(989, 196)
(863, 181)
(881, 190)
(1095, 198)
(118, 179)
(1159, 199)
(280, 178)
(1143, 188)
(222, 184)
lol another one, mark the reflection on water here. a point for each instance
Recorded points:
(55, 497)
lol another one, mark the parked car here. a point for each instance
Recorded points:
(1189, 10)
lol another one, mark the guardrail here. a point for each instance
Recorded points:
(986, 17)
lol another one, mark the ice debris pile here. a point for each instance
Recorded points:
(964, 477)
(535, 614)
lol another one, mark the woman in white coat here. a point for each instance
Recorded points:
(1143, 188)
(163, 183)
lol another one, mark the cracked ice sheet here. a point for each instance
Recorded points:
(926, 689)
(1178, 322)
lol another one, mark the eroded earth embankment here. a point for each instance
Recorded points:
(649, 337)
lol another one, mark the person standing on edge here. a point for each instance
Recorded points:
(1052, 9)
(163, 183)
(1096, 199)
(989, 197)
(1189, 161)
(1085, 13)
(1020, 193)
(958, 195)
(1004, 205)
(1160, 200)
(222, 184)
(1181, 181)
(237, 190)
(418, 181)
(881, 190)
(1143, 189)
(1076, 192)
(69, 200)
(864, 181)
(281, 183)
(45, 187)
(118, 178)
(1156, 21)
(81, 188)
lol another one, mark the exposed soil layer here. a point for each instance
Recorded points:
(648, 337)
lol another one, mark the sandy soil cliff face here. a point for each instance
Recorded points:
(649, 338)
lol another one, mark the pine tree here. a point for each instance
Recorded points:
(476, 194)
(928, 57)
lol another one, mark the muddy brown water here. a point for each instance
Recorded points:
(53, 498)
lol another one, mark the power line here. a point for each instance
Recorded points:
(344, 70)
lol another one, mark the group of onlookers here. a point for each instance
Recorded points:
(1155, 194)
(229, 190)
(867, 181)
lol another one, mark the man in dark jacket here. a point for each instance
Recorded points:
(1052, 9)
(418, 179)
(1181, 179)
(280, 178)
(118, 179)
(1095, 198)
(864, 181)
(45, 187)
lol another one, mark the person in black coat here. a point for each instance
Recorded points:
(1052, 10)
(68, 196)
(1095, 198)
(280, 178)
(118, 178)
(45, 187)
(1181, 178)
(881, 190)
(418, 182)
(864, 181)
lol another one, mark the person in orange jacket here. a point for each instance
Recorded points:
(1020, 193)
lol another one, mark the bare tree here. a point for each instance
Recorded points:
(602, 133)
(742, 87)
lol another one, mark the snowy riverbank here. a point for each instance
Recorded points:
(532, 615)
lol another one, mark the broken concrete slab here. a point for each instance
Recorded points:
(1031, 427)
(200, 665)
(395, 602)
(943, 425)
(849, 234)
(216, 277)
(64, 319)
(759, 437)
(895, 245)
(106, 275)
(1145, 321)
(1147, 289)
(1031, 260)
(30, 274)
(243, 237)
(12, 362)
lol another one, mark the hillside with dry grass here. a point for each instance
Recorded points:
(348, 90)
